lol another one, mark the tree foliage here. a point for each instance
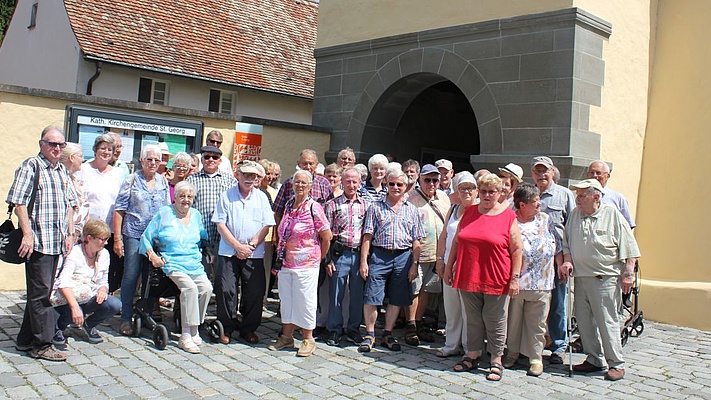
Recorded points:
(6, 9)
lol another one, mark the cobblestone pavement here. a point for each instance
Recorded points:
(664, 362)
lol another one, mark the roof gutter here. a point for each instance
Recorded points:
(197, 77)
(90, 84)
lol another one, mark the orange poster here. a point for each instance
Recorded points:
(248, 142)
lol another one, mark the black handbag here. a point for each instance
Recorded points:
(11, 237)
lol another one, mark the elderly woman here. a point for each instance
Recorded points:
(511, 175)
(485, 261)
(304, 238)
(181, 169)
(333, 174)
(72, 157)
(194, 164)
(465, 186)
(82, 285)
(101, 183)
(529, 310)
(142, 194)
(172, 242)
(377, 166)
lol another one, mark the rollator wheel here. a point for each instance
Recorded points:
(638, 329)
(160, 336)
(625, 336)
(215, 330)
(137, 324)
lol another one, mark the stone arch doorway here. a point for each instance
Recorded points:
(425, 104)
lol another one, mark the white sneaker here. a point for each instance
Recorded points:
(197, 340)
(188, 345)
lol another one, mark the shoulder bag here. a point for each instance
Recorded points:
(11, 237)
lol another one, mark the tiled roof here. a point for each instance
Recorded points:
(261, 44)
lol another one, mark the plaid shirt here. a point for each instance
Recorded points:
(48, 218)
(208, 190)
(393, 230)
(320, 191)
(346, 218)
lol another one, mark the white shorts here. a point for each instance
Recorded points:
(298, 289)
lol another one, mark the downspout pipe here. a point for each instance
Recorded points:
(90, 84)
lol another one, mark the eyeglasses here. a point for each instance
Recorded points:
(210, 157)
(487, 192)
(152, 160)
(398, 184)
(104, 239)
(540, 171)
(61, 145)
(432, 180)
(300, 183)
(181, 167)
(217, 142)
(466, 189)
(347, 159)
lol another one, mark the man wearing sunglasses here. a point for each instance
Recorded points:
(47, 233)
(210, 183)
(390, 248)
(215, 139)
(432, 205)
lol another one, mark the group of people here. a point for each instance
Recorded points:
(341, 243)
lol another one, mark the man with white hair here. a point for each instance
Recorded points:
(600, 171)
(599, 246)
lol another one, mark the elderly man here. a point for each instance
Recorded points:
(600, 170)
(243, 216)
(215, 139)
(346, 214)
(446, 171)
(432, 206)
(47, 233)
(115, 159)
(346, 158)
(210, 183)
(599, 246)
(320, 189)
(558, 202)
(392, 231)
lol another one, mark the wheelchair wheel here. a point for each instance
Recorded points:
(215, 330)
(160, 336)
(137, 324)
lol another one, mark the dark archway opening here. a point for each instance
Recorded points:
(423, 117)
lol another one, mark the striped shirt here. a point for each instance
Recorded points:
(48, 218)
(320, 191)
(140, 202)
(208, 190)
(346, 218)
(393, 230)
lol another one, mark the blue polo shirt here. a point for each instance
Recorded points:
(243, 217)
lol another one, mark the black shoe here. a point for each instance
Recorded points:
(334, 339)
(320, 333)
(59, 339)
(354, 337)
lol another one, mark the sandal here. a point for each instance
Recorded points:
(496, 371)
(411, 337)
(367, 344)
(466, 364)
(390, 342)
(126, 329)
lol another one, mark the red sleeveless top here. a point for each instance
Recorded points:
(483, 261)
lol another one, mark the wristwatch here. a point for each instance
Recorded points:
(517, 276)
(251, 243)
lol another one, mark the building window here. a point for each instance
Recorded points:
(221, 101)
(153, 91)
(33, 17)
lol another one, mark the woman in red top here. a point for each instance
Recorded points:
(486, 262)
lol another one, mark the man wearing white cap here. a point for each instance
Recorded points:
(243, 216)
(446, 171)
(599, 170)
(558, 202)
(599, 245)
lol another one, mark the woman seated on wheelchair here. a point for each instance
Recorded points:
(81, 288)
(172, 242)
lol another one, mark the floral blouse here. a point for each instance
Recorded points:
(540, 245)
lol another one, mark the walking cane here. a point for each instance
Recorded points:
(569, 321)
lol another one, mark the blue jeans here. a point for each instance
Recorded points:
(347, 272)
(134, 265)
(556, 317)
(99, 312)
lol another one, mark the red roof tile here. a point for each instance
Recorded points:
(261, 44)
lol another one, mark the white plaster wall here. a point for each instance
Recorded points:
(46, 56)
(122, 83)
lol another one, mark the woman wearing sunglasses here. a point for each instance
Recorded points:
(141, 195)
